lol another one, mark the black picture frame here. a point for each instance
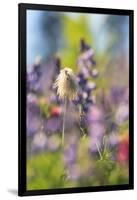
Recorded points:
(22, 8)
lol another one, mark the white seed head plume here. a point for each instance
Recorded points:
(66, 84)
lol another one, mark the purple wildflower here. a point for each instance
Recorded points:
(53, 124)
(122, 113)
(33, 115)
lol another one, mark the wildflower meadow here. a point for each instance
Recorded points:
(77, 100)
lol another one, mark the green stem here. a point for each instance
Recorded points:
(80, 116)
(98, 150)
(64, 116)
(105, 144)
(41, 116)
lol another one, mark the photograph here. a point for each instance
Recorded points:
(77, 99)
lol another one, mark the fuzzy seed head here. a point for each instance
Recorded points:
(66, 84)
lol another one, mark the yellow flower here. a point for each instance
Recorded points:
(66, 84)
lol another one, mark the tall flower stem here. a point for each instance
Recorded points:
(64, 117)
(100, 154)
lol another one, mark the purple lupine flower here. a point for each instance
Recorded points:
(84, 96)
(33, 115)
(96, 127)
(53, 124)
(97, 131)
(86, 87)
(86, 59)
(94, 73)
(85, 71)
(33, 78)
(90, 86)
(82, 81)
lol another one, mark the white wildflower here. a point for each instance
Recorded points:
(66, 89)
(66, 84)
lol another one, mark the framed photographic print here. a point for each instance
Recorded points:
(75, 99)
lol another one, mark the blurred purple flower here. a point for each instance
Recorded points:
(95, 115)
(94, 73)
(33, 115)
(97, 130)
(85, 62)
(91, 86)
(33, 78)
(70, 154)
(96, 127)
(122, 113)
(57, 65)
(53, 124)
(113, 139)
(85, 71)
(33, 125)
(74, 172)
(119, 94)
(39, 141)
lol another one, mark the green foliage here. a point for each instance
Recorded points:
(75, 30)
(45, 171)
